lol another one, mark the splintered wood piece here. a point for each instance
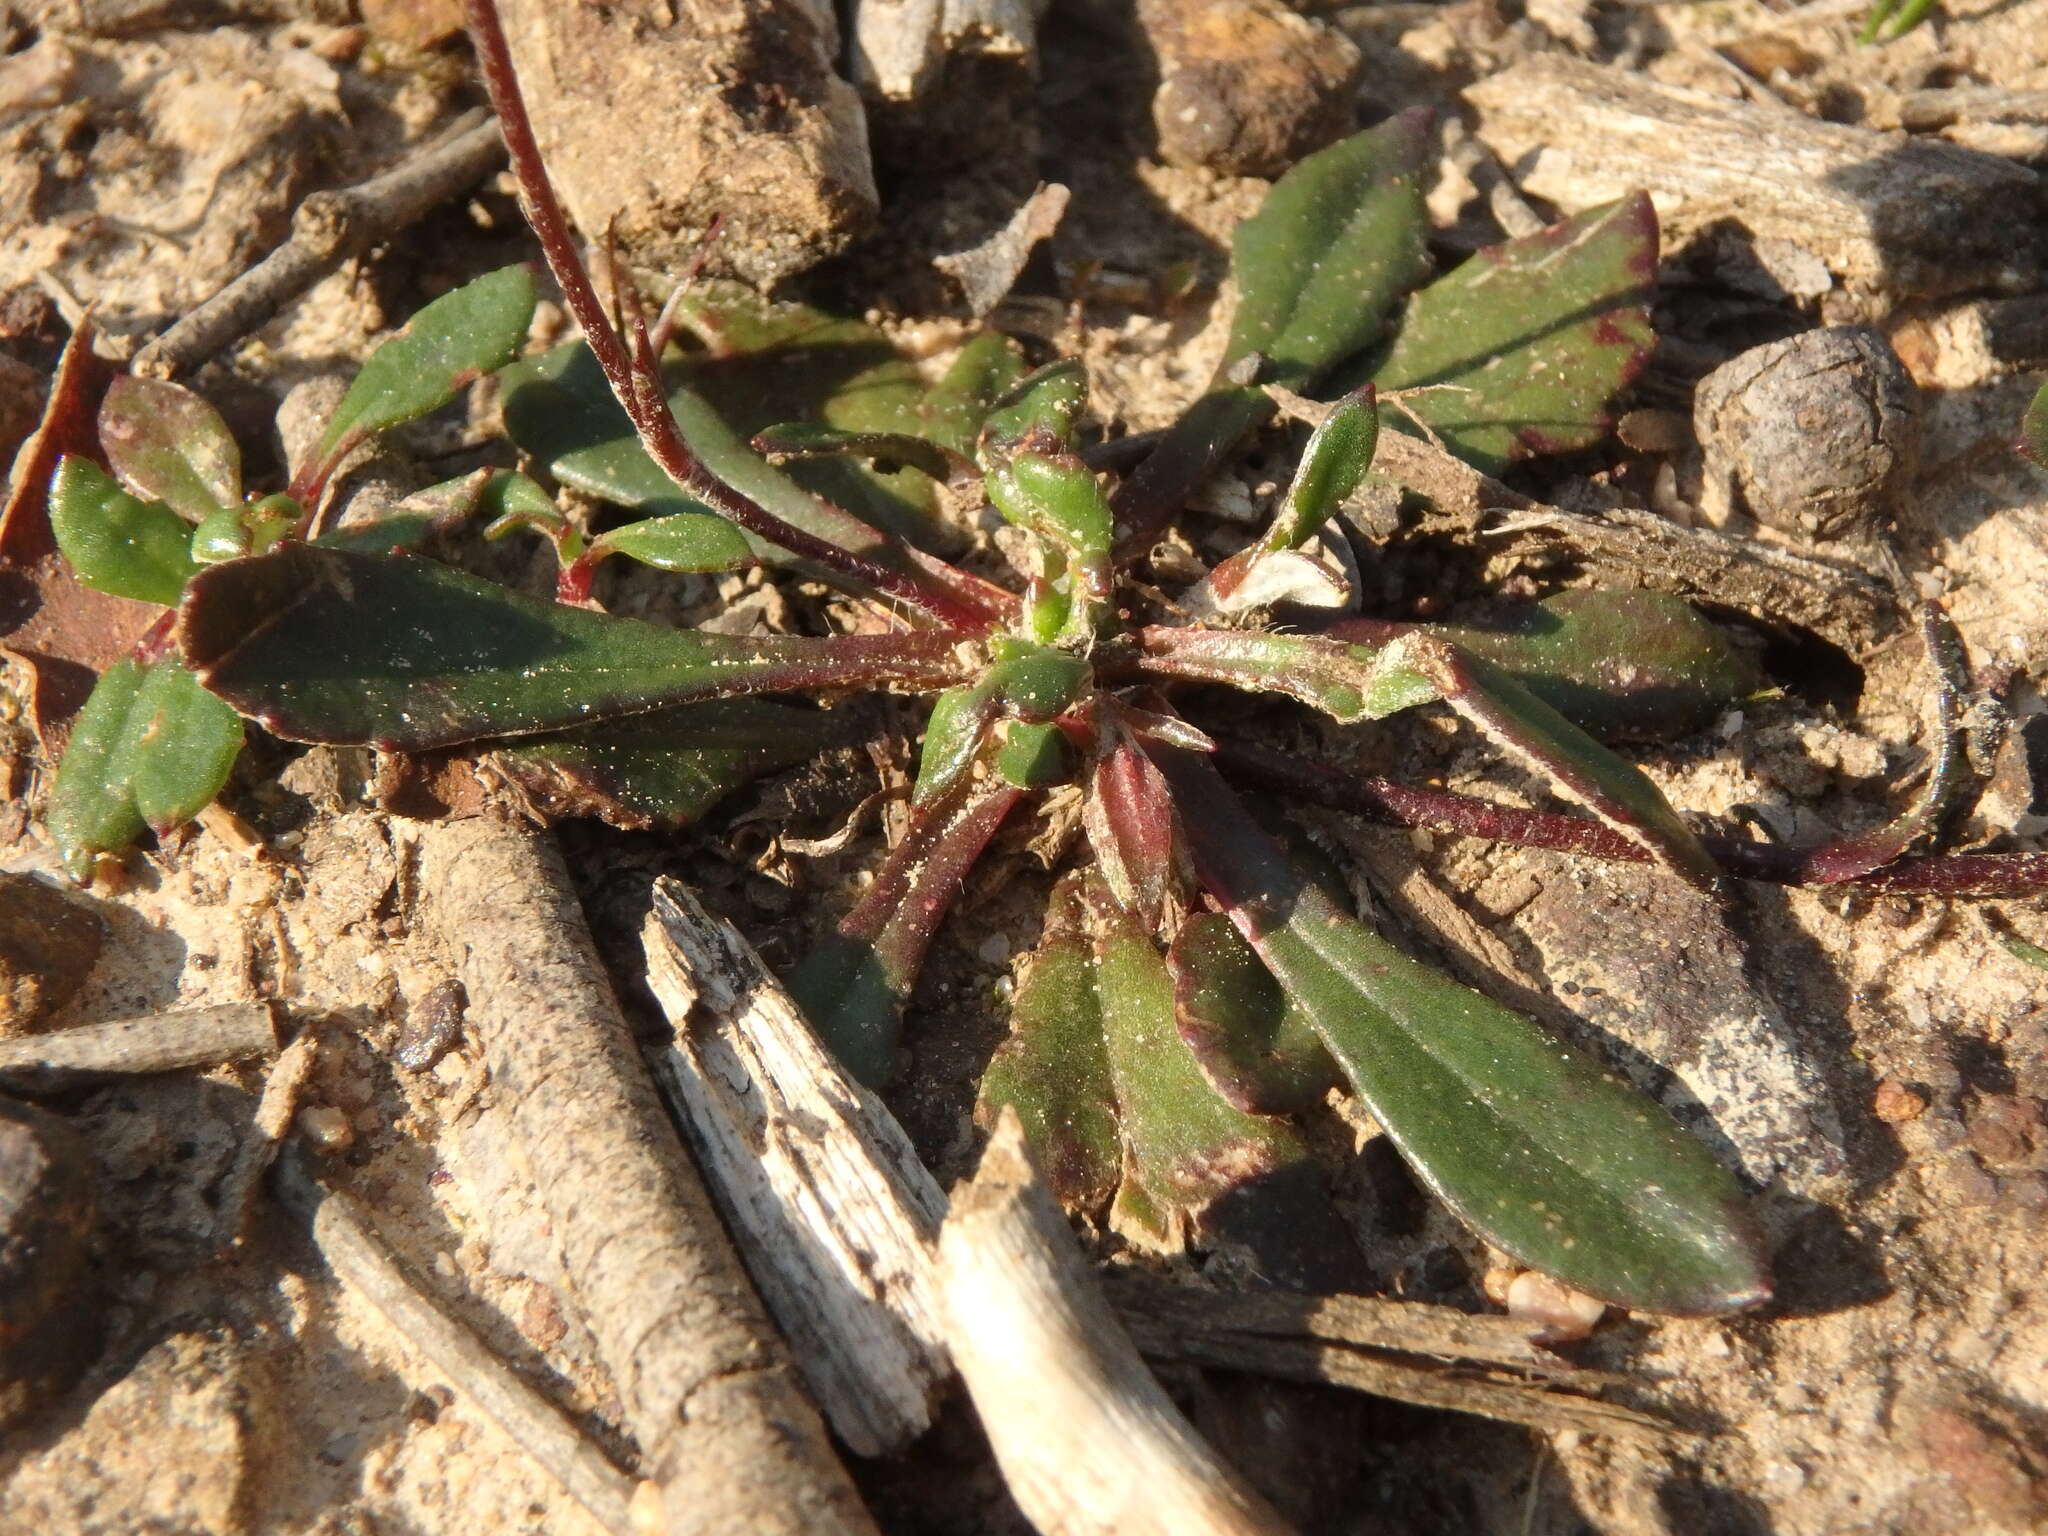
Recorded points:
(834, 1212)
(1436, 1357)
(1087, 1439)
(1886, 214)
(707, 1386)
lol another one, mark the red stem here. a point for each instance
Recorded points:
(1439, 810)
(949, 601)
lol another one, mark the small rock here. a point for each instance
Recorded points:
(49, 1323)
(1247, 88)
(326, 1127)
(413, 23)
(174, 1446)
(432, 1027)
(1560, 1314)
(2003, 1129)
(48, 945)
(1813, 434)
(735, 111)
(1895, 1103)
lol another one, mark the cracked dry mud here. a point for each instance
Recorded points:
(1881, 1065)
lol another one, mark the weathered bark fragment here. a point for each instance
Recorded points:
(1890, 216)
(836, 1213)
(663, 116)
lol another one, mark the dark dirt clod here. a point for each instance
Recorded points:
(48, 945)
(1246, 89)
(48, 1321)
(1814, 433)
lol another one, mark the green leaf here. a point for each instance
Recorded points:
(151, 748)
(458, 338)
(397, 651)
(954, 409)
(1624, 665)
(1541, 1150)
(115, 542)
(1514, 718)
(1054, 1068)
(1193, 1164)
(681, 541)
(1057, 498)
(2034, 429)
(1033, 756)
(1254, 1045)
(1334, 247)
(1025, 681)
(1532, 339)
(559, 409)
(805, 439)
(166, 444)
(667, 768)
(1045, 403)
(249, 528)
(1337, 456)
(773, 362)
(1347, 681)
(853, 986)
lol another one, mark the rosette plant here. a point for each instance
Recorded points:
(1197, 983)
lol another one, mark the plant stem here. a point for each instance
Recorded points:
(1440, 810)
(929, 586)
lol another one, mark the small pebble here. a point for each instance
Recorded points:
(1562, 1315)
(1814, 434)
(326, 1126)
(433, 1026)
(1895, 1103)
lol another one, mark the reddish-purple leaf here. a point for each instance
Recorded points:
(854, 985)
(166, 444)
(1128, 814)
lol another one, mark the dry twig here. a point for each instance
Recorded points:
(708, 1388)
(359, 1258)
(162, 1042)
(328, 228)
(1087, 1439)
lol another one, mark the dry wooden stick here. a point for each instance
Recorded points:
(708, 1388)
(327, 229)
(835, 1213)
(1643, 549)
(162, 1042)
(360, 1260)
(1438, 1358)
(1088, 1441)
